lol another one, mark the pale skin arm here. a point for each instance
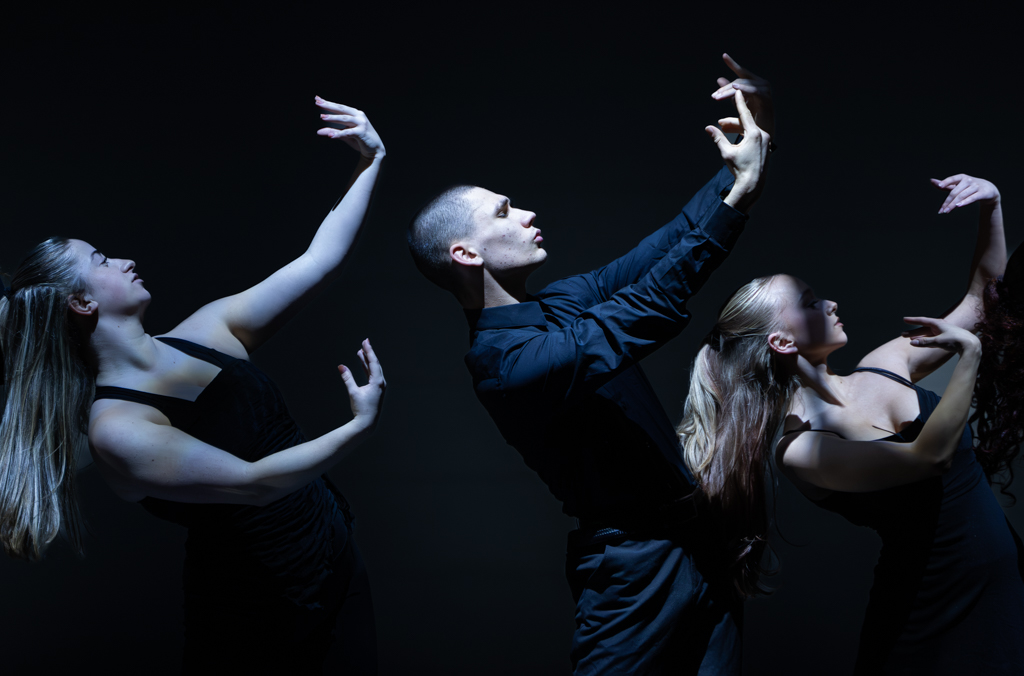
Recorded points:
(830, 462)
(989, 261)
(143, 457)
(254, 315)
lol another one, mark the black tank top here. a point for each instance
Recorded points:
(281, 548)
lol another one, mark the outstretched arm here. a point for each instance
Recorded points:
(830, 462)
(742, 178)
(141, 455)
(989, 261)
(603, 339)
(252, 316)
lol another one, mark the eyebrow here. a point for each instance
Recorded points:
(96, 253)
(807, 292)
(501, 205)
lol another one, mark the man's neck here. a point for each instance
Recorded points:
(493, 293)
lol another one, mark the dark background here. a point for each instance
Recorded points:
(185, 141)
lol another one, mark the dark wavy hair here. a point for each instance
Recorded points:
(999, 390)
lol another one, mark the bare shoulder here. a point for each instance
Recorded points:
(795, 457)
(118, 428)
(207, 327)
(891, 356)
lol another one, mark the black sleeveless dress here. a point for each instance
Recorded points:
(948, 594)
(264, 586)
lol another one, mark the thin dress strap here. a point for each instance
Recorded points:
(207, 354)
(888, 374)
(825, 431)
(181, 412)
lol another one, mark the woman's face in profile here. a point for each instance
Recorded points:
(112, 282)
(811, 322)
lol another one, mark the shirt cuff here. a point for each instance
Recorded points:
(723, 224)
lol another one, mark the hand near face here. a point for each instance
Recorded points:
(356, 129)
(941, 334)
(964, 190)
(758, 93)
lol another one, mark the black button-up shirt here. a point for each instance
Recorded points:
(559, 374)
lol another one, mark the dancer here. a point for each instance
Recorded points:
(185, 425)
(877, 449)
(558, 372)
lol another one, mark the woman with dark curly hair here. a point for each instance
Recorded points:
(999, 392)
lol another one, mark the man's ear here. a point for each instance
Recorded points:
(465, 254)
(81, 306)
(781, 343)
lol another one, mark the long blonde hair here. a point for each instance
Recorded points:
(737, 401)
(48, 388)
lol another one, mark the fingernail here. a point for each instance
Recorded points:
(323, 116)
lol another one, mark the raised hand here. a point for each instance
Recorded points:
(746, 160)
(964, 190)
(356, 129)
(759, 97)
(368, 400)
(940, 333)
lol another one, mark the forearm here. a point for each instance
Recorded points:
(286, 471)
(990, 251)
(338, 231)
(941, 434)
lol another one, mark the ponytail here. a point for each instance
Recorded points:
(47, 392)
(737, 401)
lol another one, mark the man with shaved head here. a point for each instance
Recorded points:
(559, 373)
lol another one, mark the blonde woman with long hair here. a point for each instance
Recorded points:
(185, 425)
(948, 595)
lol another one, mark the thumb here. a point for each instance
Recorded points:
(716, 134)
(348, 379)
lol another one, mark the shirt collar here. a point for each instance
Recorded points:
(527, 313)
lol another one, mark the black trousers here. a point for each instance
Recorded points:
(644, 606)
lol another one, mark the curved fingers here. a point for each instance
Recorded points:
(337, 133)
(372, 362)
(731, 125)
(335, 107)
(351, 120)
(746, 118)
(735, 67)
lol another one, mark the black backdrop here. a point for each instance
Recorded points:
(185, 140)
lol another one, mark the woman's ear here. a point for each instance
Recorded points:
(781, 344)
(464, 254)
(79, 305)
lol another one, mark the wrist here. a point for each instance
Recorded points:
(376, 156)
(363, 424)
(971, 350)
(742, 195)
